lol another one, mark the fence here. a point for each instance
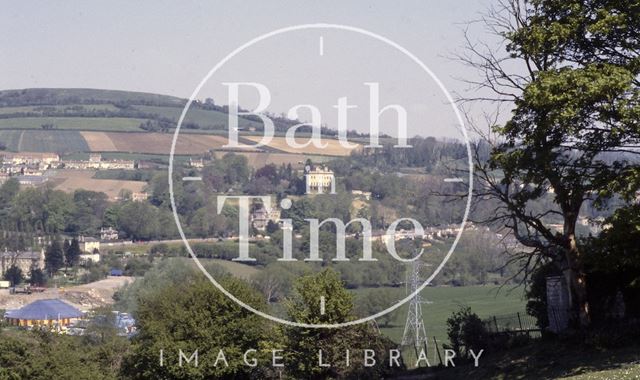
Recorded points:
(512, 324)
(504, 325)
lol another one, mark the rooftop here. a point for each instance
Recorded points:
(45, 310)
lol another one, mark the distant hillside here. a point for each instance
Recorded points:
(86, 109)
(34, 109)
(69, 121)
(66, 96)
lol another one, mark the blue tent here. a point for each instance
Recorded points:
(45, 310)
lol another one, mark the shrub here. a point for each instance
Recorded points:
(466, 332)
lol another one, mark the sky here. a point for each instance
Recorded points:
(169, 47)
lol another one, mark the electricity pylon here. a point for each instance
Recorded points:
(415, 333)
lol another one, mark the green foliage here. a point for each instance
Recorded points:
(192, 314)
(577, 104)
(95, 272)
(466, 332)
(54, 257)
(89, 212)
(230, 171)
(136, 266)
(303, 345)
(275, 281)
(142, 221)
(613, 264)
(73, 252)
(14, 275)
(617, 249)
(373, 301)
(43, 356)
(37, 277)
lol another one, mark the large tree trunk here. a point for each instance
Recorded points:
(577, 279)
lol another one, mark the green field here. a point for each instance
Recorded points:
(486, 301)
(57, 108)
(43, 141)
(114, 124)
(77, 95)
(239, 270)
(205, 118)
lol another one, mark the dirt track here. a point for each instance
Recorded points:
(84, 297)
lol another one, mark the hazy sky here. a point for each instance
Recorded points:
(168, 47)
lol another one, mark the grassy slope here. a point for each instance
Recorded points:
(48, 96)
(35, 100)
(199, 116)
(43, 141)
(76, 123)
(30, 100)
(546, 360)
(486, 301)
(58, 108)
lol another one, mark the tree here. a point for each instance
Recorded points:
(269, 172)
(13, 275)
(65, 249)
(466, 332)
(613, 264)
(138, 220)
(8, 191)
(576, 95)
(190, 314)
(272, 227)
(41, 355)
(373, 301)
(54, 257)
(72, 252)
(303, 345)
(37, 277)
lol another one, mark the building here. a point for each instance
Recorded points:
(108, 233)
(320, 179)
(261, 216)
(360, 193)
(51, 312)
(28, 166)
(25, 260)
(86, 257)
(31, 158)
(96, 162)
(139, 196)
(196, 163)
(32, 180)
(89, 244)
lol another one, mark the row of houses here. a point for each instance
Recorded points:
(96, 162)
(36, 163)
(28, 163)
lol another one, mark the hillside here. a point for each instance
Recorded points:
(66, 96)
(71, 121)
(105, 110)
